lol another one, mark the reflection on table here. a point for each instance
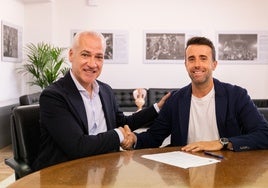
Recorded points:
(129, 169)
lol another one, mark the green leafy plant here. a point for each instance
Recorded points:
(45, 63)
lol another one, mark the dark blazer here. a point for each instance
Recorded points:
(237, 119)
(64, 127)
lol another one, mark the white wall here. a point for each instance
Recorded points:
(10, 84)
(54, 21)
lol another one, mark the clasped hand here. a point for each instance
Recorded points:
(129, 138)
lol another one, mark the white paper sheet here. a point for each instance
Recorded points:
(181, 159)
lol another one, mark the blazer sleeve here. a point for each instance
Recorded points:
(245, 127)
(64, 129)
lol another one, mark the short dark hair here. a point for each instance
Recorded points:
(202, 41)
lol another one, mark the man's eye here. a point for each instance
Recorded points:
(85, 54)
(191, 59)
(99, 57)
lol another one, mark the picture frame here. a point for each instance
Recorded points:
(11, 42)
(117, 45)
(73, 33)
(242, 47)
(109, 52)
(165, 47)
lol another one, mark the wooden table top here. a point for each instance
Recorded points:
(129, 169)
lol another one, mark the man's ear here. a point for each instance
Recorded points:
(70, 55)
(214, 65)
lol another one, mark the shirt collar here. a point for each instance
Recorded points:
(96, 87)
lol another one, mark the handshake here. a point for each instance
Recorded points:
(129, 138)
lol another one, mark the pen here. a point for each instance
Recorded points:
(213, 154)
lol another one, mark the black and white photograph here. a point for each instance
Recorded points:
(73, 33)
(237, 47)
(109, 45)
(11, 42)
(116, 45)
(164, 46)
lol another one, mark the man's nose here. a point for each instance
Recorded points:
(197, 63)
(91, 62)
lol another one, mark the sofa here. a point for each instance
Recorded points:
(127, 104)
(126, 100)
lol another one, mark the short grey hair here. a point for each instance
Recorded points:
(77, 36)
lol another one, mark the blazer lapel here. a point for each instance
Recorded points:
(185, 112)
(104, 96)
(221, 106)
(75, 100)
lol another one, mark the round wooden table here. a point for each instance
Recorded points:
(128, 169)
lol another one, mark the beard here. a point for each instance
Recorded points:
(200, 80)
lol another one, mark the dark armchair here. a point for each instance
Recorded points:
(29, 99)
(25, 136)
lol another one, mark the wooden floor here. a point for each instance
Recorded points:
(5, 171)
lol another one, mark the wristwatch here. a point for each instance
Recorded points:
(224, 142)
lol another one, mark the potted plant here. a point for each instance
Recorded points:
(45, 63)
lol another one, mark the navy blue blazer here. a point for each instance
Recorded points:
(237, 119)
(64, 127)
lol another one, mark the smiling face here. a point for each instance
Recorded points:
(87, 56)
(200, 64)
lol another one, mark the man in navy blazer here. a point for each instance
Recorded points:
(79, 115)
(207, 114)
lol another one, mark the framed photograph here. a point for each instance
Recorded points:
(73, 33)
(109, 37)
(242, 47)
(11, 42)
(116, 46)
(165, 47)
